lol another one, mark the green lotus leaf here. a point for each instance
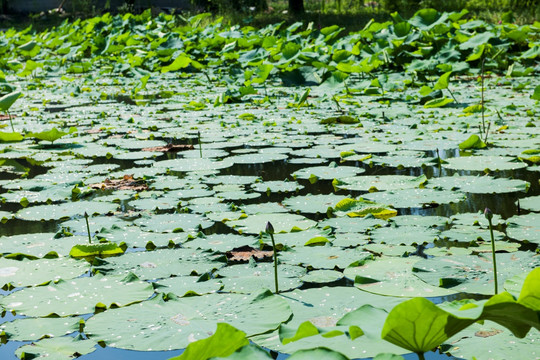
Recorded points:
(180, 321)
(11, 136)
(7, 100)
(59, 348)
(95, 250)
(223, 342)
(473, 142)
(254, 224)
(473, 273)
(90, 293)
(361, 208)
(379, 183)
(19, 273)
(481, 163)
(32, 329)
(51, 135)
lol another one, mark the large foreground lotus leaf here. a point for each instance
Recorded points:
(19, 273)
(474, 273)
(59, 348)
(531, 203)
(159, 264)
(363, 327)
(249, 278)
(524, 228)
(393, 277)
(188, 285)
(312, 204)
(379, 183)
(78, 296)
(165, 223)
(65, 210)
(31, 329)
(404, 235)
(416, 198)
(479, 184)
(254, 224)
(160, 325)
(481, 163)
(221, 242)
(185, 165)
(491, 341)
(324, 307)
(330, 172)
(39, 244)
(324, 257)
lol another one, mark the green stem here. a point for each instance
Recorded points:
(493, 254)
(200, 143)
(88, 228)
(420, 356)
(275, 262)
(11, 122)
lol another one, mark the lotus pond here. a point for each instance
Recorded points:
(143, 157)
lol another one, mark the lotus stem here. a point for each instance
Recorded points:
(88, 228)
(489, 215)
(420, 355)
(270, 230)
(11, 122)
(200, 143)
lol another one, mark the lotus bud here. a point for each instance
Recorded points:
(488, 214)
(269, 228)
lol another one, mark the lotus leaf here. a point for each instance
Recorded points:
(59, 348)
(91, 292)
(177, 322)
(473, 273)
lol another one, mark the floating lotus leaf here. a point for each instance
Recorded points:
(65, 210)
(416, 198)
(351, 225)
(322, 276)
(176, 323)
(59, 348)
(248, 278)
(531, 203)
(220, 242)
(296, 238)
(469, 234)
(379, 183)
(19, 273)
(277, 186)
(361, 208)
(254, 224)
(476, 219)
(324, 257)
(417, 220)
(524, 228)
(393, 277)
(89, 292)
(189, 285)
(474, 273)
(185, 165)
(31, 329)
(312, 204)
(481, 163)
(330, 172)
(494, 342)
(190, 223)
(39, 244)
(479, 184)
(160, 264)
(403, 235)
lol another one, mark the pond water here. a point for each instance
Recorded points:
(376, 195)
